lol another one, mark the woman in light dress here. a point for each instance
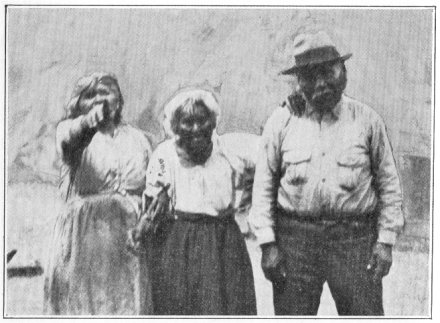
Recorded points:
(90, 269)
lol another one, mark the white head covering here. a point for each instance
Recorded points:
(182, 98)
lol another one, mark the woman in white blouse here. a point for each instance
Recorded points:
(202, 266)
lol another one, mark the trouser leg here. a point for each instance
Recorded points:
(302, 250)
(350, 283)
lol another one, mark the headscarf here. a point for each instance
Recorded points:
(184, 97)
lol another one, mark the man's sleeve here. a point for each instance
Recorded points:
(387, 183)
(266, 182)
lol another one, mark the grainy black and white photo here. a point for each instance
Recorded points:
(247, 161)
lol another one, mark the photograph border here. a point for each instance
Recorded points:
(217, 6)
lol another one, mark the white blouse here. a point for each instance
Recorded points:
(208, 188)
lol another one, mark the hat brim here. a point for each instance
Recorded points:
(294, 69)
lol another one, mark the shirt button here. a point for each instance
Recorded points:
(323, 154)
(323, 180)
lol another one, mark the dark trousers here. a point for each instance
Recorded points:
(332, 252)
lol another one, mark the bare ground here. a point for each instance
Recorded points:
(31, 209)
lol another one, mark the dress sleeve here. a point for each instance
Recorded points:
(72, 135)
(248, 159)
(246, 184)
(241, 150)
(135, 166)
(158, 172)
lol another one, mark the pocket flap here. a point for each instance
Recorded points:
(351, 160)
(297, 156)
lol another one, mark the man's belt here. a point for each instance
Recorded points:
(325, 218)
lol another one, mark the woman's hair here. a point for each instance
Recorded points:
(186, 101)
(86, 84)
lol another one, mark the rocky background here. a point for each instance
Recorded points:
(237, 52)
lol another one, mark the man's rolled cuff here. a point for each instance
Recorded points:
(387, 236)
(265, 235)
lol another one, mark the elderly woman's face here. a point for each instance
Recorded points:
(195, 130)
(106, 93)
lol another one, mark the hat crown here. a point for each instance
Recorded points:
(306, 42)
(313, 48)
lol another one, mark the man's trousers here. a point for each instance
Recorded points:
(327, 251)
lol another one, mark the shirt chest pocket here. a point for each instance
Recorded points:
(350, 165)
(297, 166)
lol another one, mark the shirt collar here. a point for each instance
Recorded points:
(335, 112)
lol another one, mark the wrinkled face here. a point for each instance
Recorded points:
(105, 92)
(194, 130)
(323, 84)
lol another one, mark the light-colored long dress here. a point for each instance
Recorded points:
(90, 270)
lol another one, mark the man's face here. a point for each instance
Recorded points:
(323, 84)
(105, 92)
(195, 131)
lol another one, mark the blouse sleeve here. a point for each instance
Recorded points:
(158, 172)
(242, 152)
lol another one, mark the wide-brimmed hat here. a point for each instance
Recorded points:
(312, 49)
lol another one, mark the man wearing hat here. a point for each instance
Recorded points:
(327, 197)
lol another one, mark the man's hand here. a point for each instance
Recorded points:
(97, 115)
(272, 263)
(380, 261)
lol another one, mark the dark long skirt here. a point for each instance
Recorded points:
(90, 270)
(202, 267)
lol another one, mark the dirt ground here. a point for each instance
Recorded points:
(31, 209)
